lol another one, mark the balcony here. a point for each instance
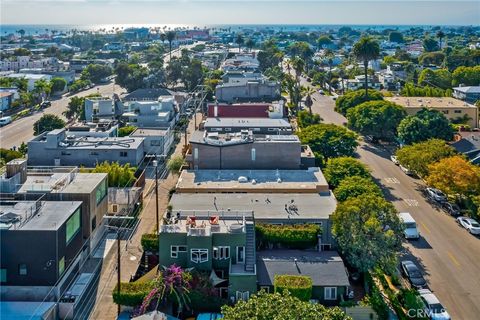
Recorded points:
(199, 232)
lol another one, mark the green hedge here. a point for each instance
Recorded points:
(297, 236)
(298, 286)
(149, 242)
(200, 302)
(132, 293)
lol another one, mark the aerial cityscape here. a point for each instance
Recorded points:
(239, 160)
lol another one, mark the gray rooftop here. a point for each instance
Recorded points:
(215, 138)
(104, 143)
(247, 122)
(325, 268)
(265, 206)
(149, 132)
(38, 215)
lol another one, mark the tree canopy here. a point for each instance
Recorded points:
(96, 72)
(430, 44)
(354, 98)
(329, 140)
(425, 125)
(130, 76)
(418, 156)
(356, 186)
(467, 76)
(368, 232)
(396, 36)
(454, 175)
(267, 306)
(58, 84)
(305, 119)
(47, 122)
(440, 78)
(119, 176)
(340, 168)
(378, 119)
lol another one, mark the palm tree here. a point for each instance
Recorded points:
(440, 36)
(239, 40)
(366, 49)
(342, 74)
(170, 37)
(163, 37)
(329, 56)
(250, 44)
(308, 91)
(21, 32)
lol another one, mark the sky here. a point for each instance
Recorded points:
(208, 12)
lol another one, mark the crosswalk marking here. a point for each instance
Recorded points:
(411, 202)
(392, 180)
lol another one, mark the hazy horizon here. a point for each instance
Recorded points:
(239, 12)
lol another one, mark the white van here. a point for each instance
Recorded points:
(411, 231)
(5, 120)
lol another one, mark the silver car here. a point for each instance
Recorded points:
(433, 308)
(470, 224)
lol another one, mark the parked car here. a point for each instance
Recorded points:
(407, 171)
(451, 208)
(45, 104)
(321, 92)
(470, 224)
(433, 308)
(5, 120)
(413, 274)
(410, 231)
(394, 159)
(435, 195)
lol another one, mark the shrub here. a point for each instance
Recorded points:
(8, 155)
(199, 302)
(132, 293)
(297, 236)
(175, 164)
(149, 242)
(121, 176)
(375, 298)
(126, 131)
(298, 286)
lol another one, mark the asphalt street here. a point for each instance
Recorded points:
(447, 253)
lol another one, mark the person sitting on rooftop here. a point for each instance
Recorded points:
(214, 220)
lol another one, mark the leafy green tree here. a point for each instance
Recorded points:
(250, 43)
(96, 72)
(364, 50)
(368, 232)
(396, 36)
(467, 76)
(430, 45)
(119, 176)
(8, 155)
(378, 119)
(441, 78)
(126, 131)
(174, 71)
(301, 49)
(175, 163)
(42, 87)
(192, 75)
(305, 119)
(23, 149)
(21, 52)
(410, 90)
(329, 141)
(58, 84)
(324, 41)
(426, 124)
(354, 98)
(130, 76)
(418, 156)
(338, 169)
(267, 306)
(75, 108)
(429, 58)
(270, 56)
(356, 186)
(47, 122)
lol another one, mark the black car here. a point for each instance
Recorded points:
(45, 104)
(413, 274)
(451, 208)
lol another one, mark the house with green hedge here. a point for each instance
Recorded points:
(286, 269)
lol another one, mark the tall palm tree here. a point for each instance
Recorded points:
(308, 91)
(366, 49)
(329, 56)
(163, 37)
(170, 37)
(239, 40)
(440, 36)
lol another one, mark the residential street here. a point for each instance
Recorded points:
(448, 254)
(21, 130)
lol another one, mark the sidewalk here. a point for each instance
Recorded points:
(131, 250)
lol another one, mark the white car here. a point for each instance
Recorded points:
(436, 195)
(433, 308)
(394, 159)
(470, 224)
(407, 171)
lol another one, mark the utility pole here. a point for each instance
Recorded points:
(155, 165)
(118, 268)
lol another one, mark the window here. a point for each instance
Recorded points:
(123, 154)
(216, 129)
(240, 254)
(73, 225)
(330, 293)
(228, 129)
(254, 155)
(199, 255)
(3, 275)
(94, 153)
(445, 111)
(242, 295)
(61, 266)
(457, 111)
(265, 288)
(22, 269)
(195, 153)
(65, 153)
(101, 191)
(220, 253)
(272, 129)
(114, 208)
(94, 222)
(174, 250)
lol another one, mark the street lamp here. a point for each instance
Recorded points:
(155, 165)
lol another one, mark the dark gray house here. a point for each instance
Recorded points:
(40, 242)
